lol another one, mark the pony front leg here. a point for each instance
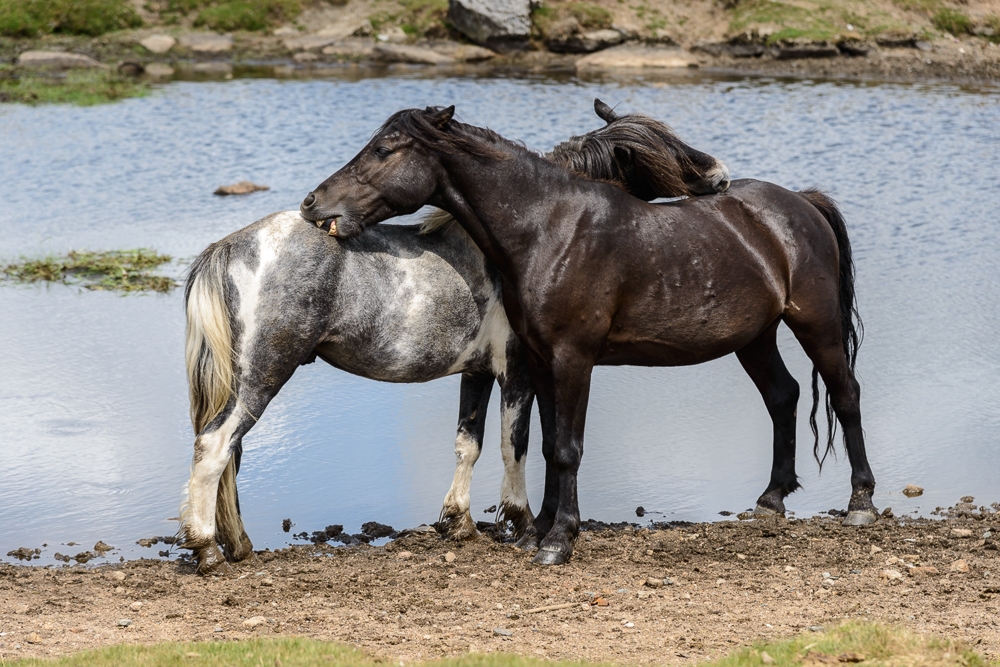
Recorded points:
(474, 400)
(516, 397)
(571, 381)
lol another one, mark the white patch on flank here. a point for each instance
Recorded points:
(270, 240)
(513, 489)
(205, 474)
(493, 335)
(466, 454)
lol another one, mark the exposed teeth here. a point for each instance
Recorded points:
(319, 223)
(333, 228)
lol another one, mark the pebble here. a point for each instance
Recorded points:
(502, 632)
(254, 621)
(961, 532)
(218, 628)
(449, 557)
(21, 609)
(876, 550)
(959, 566)
(404, 555)
(118, 576)
(828, 582)
(119, 590)
(790, 568)
(927, 570)
(741, 556)
(33, 638)
(912, 490)
(816, 628)
(653, 583)
(124, 623)
(891, 575)
(136, 606)
(158, 43)
(765, 658)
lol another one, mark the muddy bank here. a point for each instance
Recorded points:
(672, 595)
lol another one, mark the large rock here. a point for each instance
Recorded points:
(502, 25)
(635, 56)
(158, 43)
(461, 52)
(398, 53)
(585, 42)
(352, 47)
(57, 60)
(206, 42)
(308, 42)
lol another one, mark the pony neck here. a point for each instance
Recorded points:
(503, 204)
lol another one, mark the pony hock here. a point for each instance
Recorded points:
(592, 276)
(399, 304)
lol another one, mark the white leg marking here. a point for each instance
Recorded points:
(204, 484)
(513, 489)
(457, 501)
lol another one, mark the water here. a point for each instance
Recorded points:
(95, 441)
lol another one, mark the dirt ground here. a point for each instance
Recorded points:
(668, 595)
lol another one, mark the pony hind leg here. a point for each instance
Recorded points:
(474, 400)
(229, 528)
(762, 362)
(515, 417)
(825, 349)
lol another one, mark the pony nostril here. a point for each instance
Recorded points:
(309, 201)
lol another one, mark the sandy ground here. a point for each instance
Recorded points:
(674, 595)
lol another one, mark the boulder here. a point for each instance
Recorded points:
(400, 53)
(158, 43)
(461, 52)
(57, 60)
(635, 56)
(206, 42)
(393, 35)
(308, 42)
(351, 48)
(241, 188)
(502, 25)
(586, 42)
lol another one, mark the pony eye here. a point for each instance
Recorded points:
(382, 151)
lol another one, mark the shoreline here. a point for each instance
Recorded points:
(691, 592)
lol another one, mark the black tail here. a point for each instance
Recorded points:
(851, 328)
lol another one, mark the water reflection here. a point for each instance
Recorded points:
(93, 414)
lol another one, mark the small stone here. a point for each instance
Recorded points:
(101, 546)
(653, 583)
(790, 568)
(401, 53)
(968, 499)
(585, 606)
(218, 628)
(241, 188)
(890, 575)
(57, 60)
(875, 550)
(912, 490)
(629, 624)
(124, 623)
(816, 628)
(449, 557)
(119, 590)
(826, 575)
(254, 621)
(305, 57)
(404, 555)
(851, 656)
(961, 532)
(502, 632)
(21, 609)
(33, 638)
(118, 575)
(267, 582)
(959, 566)
(741, 556)
(158, 43)
(159, 70)
(136, 606)
(765, 658)
(924, 571)
(207, 42)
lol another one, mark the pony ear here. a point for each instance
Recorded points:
(440, 118)
(606, 113)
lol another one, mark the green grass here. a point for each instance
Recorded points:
(80, 87)
(30, 18)
(876, 645)
(232, 15)
(953, 21)
(793, 21)
(414, 17)
(115, 270)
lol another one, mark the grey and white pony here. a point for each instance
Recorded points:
(397, 304)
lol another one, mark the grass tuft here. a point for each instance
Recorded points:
(953, 21)
(415, 17)
(114, 270)
(80, 87)
(876, 645)
(247, 14)
(30, 18)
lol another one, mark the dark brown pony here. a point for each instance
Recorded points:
(592, 275)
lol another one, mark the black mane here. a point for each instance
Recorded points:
(453, 137)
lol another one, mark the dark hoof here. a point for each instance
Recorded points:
(550, 556)
(767, 511)
(860, 518)
(528, 543)
(212, 562)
